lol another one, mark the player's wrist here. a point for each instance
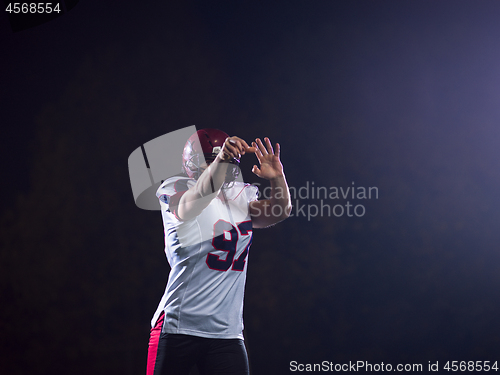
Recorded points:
(278, 177)
(223, 157)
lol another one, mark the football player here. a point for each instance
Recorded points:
(208, 217)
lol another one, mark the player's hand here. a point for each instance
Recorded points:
(269, 160)
(234, 148)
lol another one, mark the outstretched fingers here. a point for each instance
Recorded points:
(258, 151)
(265, 149)
(269, 146)
(269, 163)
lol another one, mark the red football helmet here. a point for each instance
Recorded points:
(203, 146)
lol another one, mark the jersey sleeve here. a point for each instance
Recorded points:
(252, 193)
(170, 192)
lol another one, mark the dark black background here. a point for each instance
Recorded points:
(402, 96)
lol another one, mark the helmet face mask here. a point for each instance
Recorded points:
(203, 147)
(193, 166)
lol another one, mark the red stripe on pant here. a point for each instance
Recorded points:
(154, 338)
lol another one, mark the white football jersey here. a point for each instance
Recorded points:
(208, 257)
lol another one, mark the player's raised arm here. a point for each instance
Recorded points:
(270, 211)
(213, 176)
